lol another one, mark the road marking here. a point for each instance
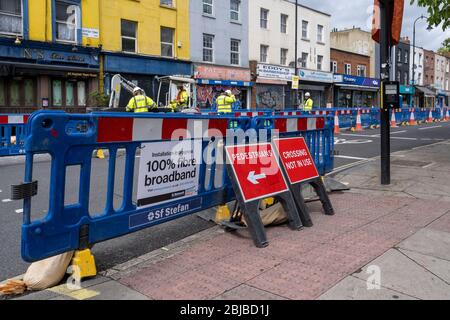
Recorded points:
(351, 158)
(358, 135)
(404, 138)
(19, 211)
(395, 132)
(6, 200)
(433, 127)
(1, 191)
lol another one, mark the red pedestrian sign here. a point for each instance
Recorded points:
(257, 170)
(296, 159)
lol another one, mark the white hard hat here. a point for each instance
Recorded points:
(307, 94)
(136, 89)
(228, 92)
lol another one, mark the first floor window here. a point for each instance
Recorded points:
(168, 3)
(67, 15)
(263, 53)
(234, 9)
(319, 62)
(167, 42)
(305, 59)
(208, 49)
(283, 56)
(11, 17)
(208, 7)
(333, 66)
(129, 38)
(348, 68)
(264, 17)
(361, 70)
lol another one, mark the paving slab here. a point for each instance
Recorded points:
(352, 288)
(402, 274)
(246, 292)
(441, 224)
(113, 290)
(430, 242)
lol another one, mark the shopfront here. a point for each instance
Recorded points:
(318, 84)
(406, 96)
(212, 80)
(352, 91)
(272, 86)
(42, 76)
(425, 97)
(142, 71)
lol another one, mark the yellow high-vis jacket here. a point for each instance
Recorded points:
(225, 103)
(140, 103)
(308, 105)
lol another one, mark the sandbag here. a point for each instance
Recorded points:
(47, 273)
(40, 275)
(273, 215)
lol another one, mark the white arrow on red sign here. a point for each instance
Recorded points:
(254, 178)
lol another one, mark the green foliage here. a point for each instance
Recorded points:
(100, 99)
(445, 47)
(438, 12)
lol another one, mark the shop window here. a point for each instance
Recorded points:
(11, 17)
(67, 15)
(208, 7)
(69, 94)
(57, 93)
(29, 92)
(2, 93)
(81, 93)
(167, 42)
(129, 37)
(14, 93)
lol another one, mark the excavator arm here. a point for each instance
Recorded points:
(117, 83)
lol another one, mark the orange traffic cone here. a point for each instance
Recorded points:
(337, 130)
(393, 121)
(412, 120)
(447, 116)
(358, 122)
(430, 117)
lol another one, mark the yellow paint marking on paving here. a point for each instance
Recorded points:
(81, 294)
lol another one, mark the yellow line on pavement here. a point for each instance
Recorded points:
(81, 294)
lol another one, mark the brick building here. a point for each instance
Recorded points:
(428, 80)
(352, 85)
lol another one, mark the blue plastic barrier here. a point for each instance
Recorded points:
(71, 139)
(12, 134)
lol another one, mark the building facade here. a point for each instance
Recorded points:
(352, 86)
(356, 41)
(144, 40)
(219, 50)
(401, 71)
(49, 55)
(272, 53)
(440, 75)
(417, 62)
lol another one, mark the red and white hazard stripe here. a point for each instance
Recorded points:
(112, 129)
(14, 119)
(248, 114)
(299, 124)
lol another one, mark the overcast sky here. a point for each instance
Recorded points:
(358, 13)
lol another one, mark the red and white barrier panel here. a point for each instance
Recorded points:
(299, 124)
(138, 129)
(248, 114)
(365, 111)
(291, 113)
(14, 119)
(321, 113)
(343, 112)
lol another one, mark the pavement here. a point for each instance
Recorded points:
(384, 242)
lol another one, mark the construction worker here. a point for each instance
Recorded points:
(225, 102)
(182, 100)
(308, 104)
(140, 102)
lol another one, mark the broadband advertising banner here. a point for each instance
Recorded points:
(168, 170)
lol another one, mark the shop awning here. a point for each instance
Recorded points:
(271, 81)
(361, 88)
(426, 91)
(225, 82)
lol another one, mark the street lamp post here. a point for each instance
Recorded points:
(414, 48)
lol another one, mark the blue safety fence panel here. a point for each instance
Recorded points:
(12, 134)
(318, 132)
(71, 139)
(438, 113)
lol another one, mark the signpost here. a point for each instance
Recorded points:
(255, 174)
(299, 167)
